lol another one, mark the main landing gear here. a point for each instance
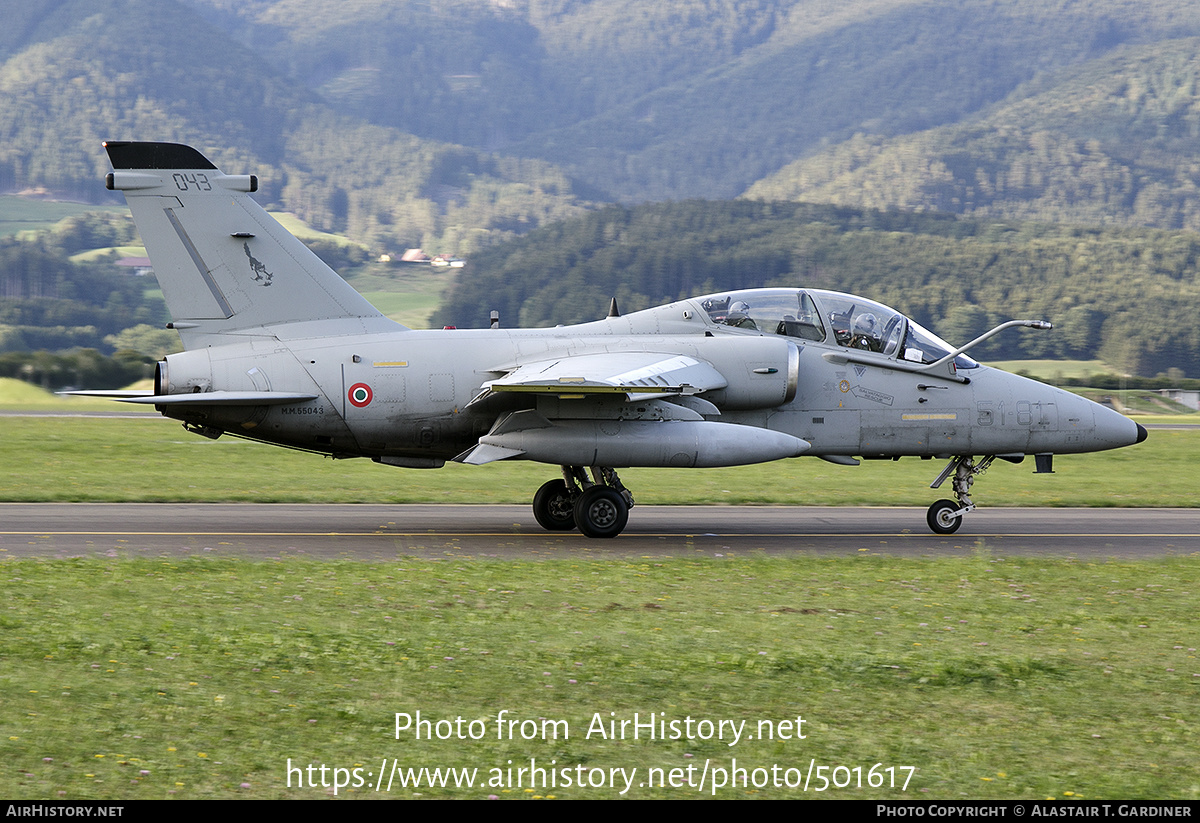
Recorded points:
(945, 516)
(598, 507)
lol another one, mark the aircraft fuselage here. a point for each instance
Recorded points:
(409, 394)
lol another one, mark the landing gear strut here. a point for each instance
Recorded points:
(945, 516)
(598, 507)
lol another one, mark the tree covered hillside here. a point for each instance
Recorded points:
(82, 76)
(425, 106)
(688, 98)
(81, 72)
(902, 68)
(49, 302)
(458, 124)
(1129, 297)
(1114, 142)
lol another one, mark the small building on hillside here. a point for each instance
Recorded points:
(140, 265)
(1184, 397)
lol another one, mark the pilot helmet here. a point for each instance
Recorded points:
(866, 325)
(740, 307)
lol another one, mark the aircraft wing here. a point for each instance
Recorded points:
(622, 409)
(641, 375)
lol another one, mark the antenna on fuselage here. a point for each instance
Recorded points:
(613, 311)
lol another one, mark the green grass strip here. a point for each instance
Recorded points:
(994, 677)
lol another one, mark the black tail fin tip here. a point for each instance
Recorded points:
(130, 155)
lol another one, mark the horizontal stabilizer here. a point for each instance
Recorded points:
(124, 394)
(211, 398)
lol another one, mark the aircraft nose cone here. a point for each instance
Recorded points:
(1114, 430)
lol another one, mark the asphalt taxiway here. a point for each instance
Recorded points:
(380, 532)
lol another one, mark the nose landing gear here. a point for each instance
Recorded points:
(945, 516)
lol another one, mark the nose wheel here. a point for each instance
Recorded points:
(945, 516)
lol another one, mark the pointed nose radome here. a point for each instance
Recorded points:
(1114, 430)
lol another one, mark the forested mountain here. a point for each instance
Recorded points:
(889, 70)
(1128, 297)
(398, 121)
(83, 71)
(83, 76)
(1115, 141)
(688, 98)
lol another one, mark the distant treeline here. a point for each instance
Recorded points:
(1128, 297)
(49, 302)
(1116, 382)
(52, 303)
(80, 368)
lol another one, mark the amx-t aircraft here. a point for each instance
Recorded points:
(280, 349)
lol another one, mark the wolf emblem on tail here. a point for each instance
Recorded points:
(261, 275)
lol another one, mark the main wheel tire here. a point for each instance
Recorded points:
(601, 512)
(553, 507)
(941, 517)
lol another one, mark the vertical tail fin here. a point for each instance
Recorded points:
(224, 264)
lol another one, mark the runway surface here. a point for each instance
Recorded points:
(379, 532)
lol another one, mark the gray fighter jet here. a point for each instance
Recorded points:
(280, 349)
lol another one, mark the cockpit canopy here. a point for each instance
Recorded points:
(829, 317)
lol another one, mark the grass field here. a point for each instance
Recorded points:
(991, 677)
(1054, 369)
(299, 228)
(412, 307)
(120, 251)
(18, 396)
(407, 293)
